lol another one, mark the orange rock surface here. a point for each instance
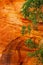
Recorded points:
(11, 21)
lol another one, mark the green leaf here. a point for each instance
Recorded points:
(41, 52)
(31, 54)
(38, 54)
(23, 30)
(29, 28)
(32, 15)
(29, 43)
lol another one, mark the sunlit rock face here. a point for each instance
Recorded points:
(11, 21)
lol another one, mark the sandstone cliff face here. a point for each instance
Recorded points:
(11, 21)
(10, 24)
